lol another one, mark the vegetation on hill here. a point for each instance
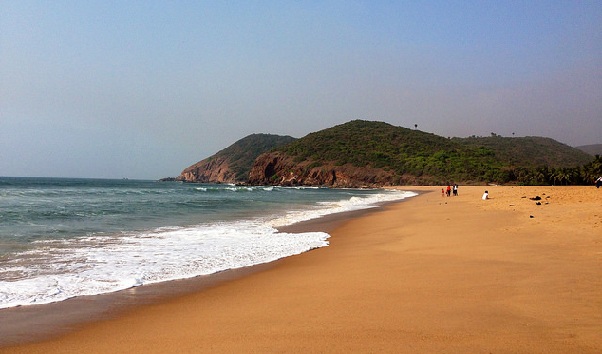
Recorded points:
(366, 153)
(530, 151)
(415, 155)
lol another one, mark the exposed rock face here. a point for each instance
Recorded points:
(209, 170)
(232, 164)
(276, 168)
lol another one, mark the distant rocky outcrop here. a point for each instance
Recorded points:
(232, 164)
(215, 169)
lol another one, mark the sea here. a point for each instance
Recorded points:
(65, 237)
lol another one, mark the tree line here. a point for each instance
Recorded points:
(558, 176)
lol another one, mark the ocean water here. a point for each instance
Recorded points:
(61, 238)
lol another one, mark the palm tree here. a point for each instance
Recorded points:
(592, 170)
(565, 175)
(556, 176)
(541, 175)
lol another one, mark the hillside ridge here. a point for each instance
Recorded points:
(369, 154)
(593, 149)
(363, 153)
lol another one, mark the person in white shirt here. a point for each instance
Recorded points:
(599, 182)
(485, 195)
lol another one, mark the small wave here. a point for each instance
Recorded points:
(240, 189)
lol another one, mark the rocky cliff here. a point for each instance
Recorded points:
(232, 164)
(276, 168)
(209, 170)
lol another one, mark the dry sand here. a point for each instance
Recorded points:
(430, 275)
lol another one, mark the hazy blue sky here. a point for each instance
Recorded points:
(142, 89)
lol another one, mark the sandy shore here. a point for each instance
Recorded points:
(433, 274)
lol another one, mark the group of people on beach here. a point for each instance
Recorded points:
(450, 190)
(453, 190)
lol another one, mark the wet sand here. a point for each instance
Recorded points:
(433, 274)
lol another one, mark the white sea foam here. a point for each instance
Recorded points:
(344, 205)
(94, 265)
(56, 270)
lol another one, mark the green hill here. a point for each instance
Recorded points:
(530, 151)
(396, 155)
(366, 153)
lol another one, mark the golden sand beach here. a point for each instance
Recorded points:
(429, 275)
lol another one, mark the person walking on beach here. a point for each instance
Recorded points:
(448, 190)
(455, 190)
(599, 182)
(443, 192)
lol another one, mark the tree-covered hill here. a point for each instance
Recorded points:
(530, 151)
(367, 153)
(396, 155)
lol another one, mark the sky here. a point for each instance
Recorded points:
(143, 89)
